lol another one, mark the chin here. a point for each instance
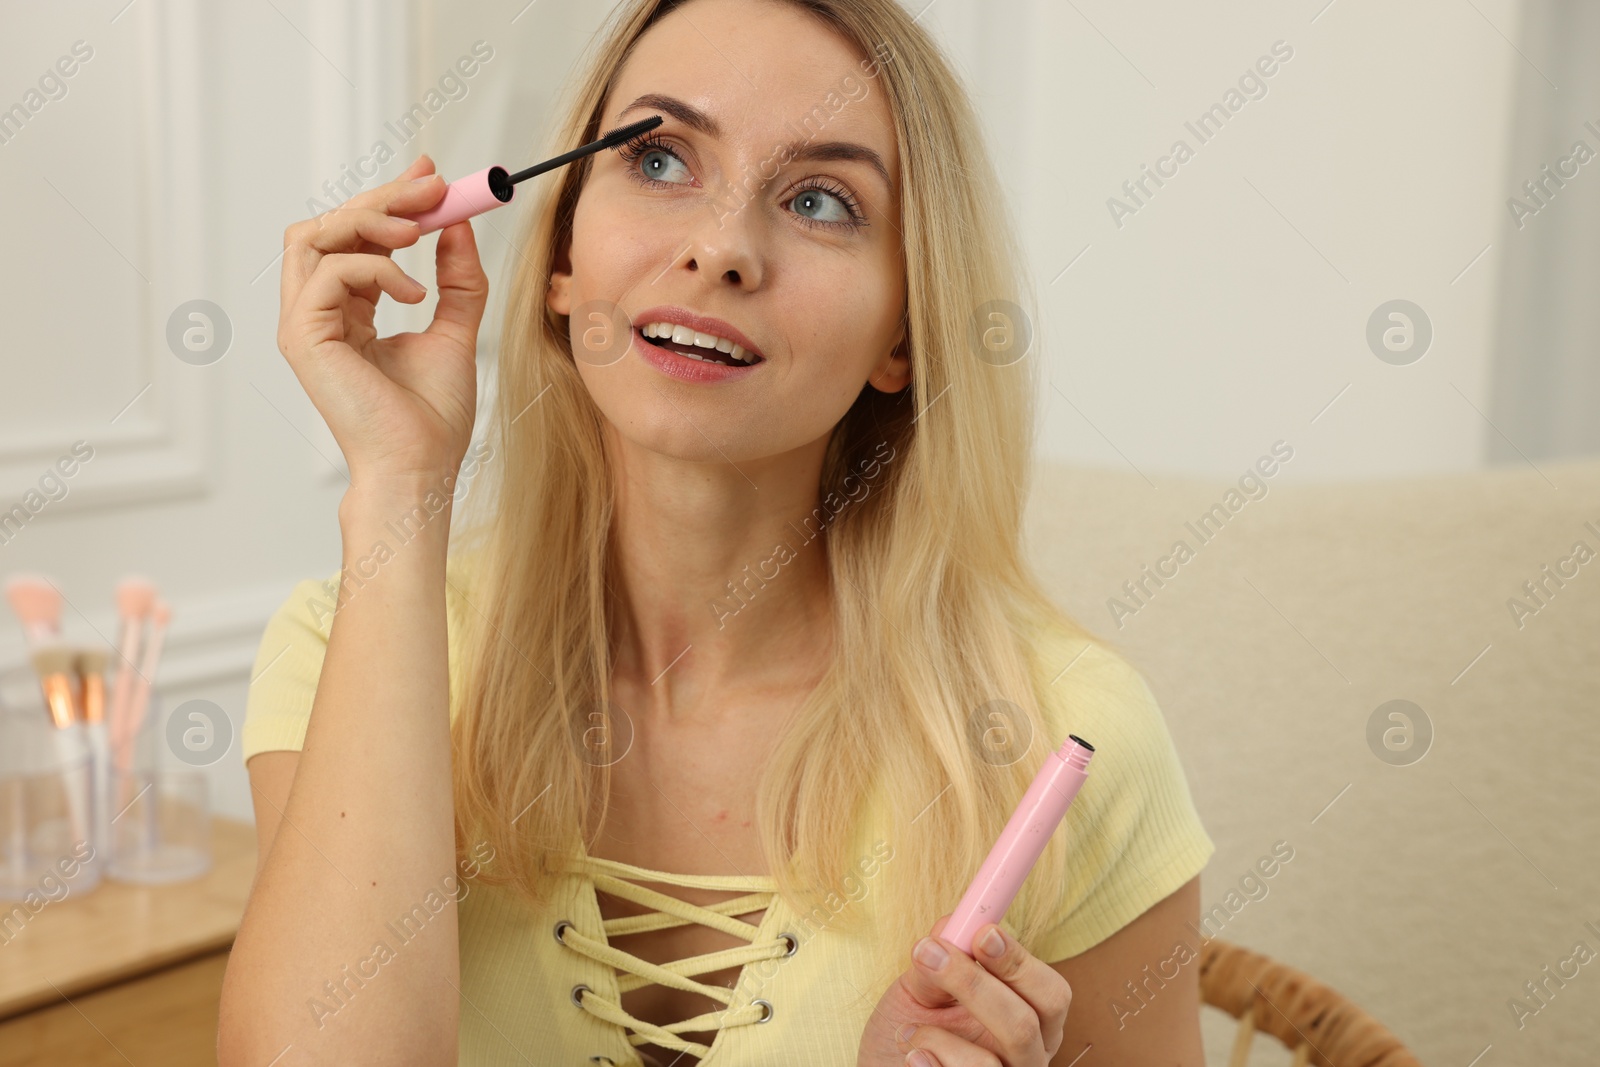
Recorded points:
(656, 427)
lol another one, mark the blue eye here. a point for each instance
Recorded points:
(648, 154)
(816, 197)
(655, 163)
(654, 154)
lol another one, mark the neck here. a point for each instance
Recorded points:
(718, 571)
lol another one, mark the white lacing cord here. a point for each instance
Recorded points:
(676, 975)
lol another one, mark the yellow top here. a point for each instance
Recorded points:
(529, 998)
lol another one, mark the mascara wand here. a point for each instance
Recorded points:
(492, 187)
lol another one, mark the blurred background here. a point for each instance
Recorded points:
(1364, 235)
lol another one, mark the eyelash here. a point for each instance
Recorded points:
(634, 150)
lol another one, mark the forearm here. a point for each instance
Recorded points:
(366, 842)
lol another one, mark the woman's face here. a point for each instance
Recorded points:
(801, 257)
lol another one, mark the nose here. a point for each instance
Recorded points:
(725, 243)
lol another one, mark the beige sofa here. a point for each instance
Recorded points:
(1431, 890)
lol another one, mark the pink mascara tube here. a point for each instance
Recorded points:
(1043, 807)
(493, 187)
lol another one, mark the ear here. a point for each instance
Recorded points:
(559, 296)
(893, 372)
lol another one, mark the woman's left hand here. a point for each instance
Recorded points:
(969, 1011)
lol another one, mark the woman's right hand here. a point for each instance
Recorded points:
(400, 407)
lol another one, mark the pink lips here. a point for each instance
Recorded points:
(680, 316)
(673, 365)
(682, 367)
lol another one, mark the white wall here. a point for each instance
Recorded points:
(1230, 310)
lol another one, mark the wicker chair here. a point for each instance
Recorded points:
(1322, 1026)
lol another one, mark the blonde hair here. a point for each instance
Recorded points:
(935, 606)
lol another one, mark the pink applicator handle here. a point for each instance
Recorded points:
(1043, 807)
(473, 195)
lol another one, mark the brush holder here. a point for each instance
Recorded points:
(49, 845)
(159, 823)
(161, 826)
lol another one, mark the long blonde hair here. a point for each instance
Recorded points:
(921, 506)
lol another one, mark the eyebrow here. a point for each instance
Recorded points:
(822, 151)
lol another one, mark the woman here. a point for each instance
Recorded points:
(705, 725)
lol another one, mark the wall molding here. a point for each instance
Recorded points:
(161, 444)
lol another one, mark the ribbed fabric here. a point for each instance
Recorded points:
(1137, 838)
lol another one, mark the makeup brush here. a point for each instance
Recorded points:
(91, 664)
(91, 667)
(54, 666)
(134, 597)
(160, 615)
(493, 187)
(37, 605)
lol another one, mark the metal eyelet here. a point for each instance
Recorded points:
(563, 924)
(577, 993)
(768, 1005)
(794, 944)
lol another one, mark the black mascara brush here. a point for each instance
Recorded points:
(492, 187)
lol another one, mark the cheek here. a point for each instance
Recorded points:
(843, 324)
(602, 253)
(617, 248)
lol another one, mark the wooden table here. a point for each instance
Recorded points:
(125, 974)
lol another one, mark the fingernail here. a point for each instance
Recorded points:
(905, 1032)
(993, 944)
(918, 1058)
(416, 283)
(412, 222)
(425, 178)
(931, 954)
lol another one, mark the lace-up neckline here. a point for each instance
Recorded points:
(759, 893)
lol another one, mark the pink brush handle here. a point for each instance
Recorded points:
(123, 689)
(466, 197)
(1021, 843)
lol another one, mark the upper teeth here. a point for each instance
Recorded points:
(685, 336)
